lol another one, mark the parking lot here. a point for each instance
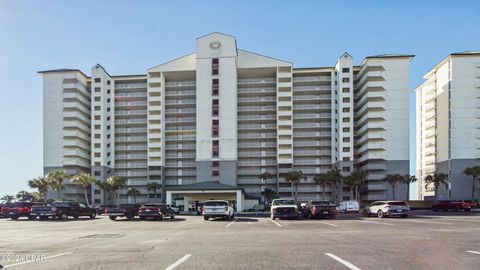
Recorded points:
(426, 240)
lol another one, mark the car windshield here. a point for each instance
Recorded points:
(125, 205)
(283, 202)
(216, 203)
(397, 203)
(321, 203)
(61, 204)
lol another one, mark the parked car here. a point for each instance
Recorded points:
(284, 208)
(217, 208)
(320, 209)
(349, 207)
(128, 210)
(453, 205)
(387, 208)
(18, 209)
(158, 211)
(2, 205)
(63, 210)
(100, 209)
(41, 211)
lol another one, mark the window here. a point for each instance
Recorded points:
(97, 126)
(97, 145)
(108, 82)
(108, 100)
(215, 173)
(215, 66)
(346, 120)
(97, 117)
(97, 108)
(215, 87)
(97, 154)
(345, 70)
(97, 192)
(347, 129)
(97, 136)
(97, 80)
(347, 109)
(346, 159)
(108, 109)
(215, 127)
(346, 99)
(108, 118)
(215, 107)
(215, 163)
(97, 98)
(96, 173)
(108, 91)
(97, 163)
(346, 80)
(346, 169)
(215, 148)
(346, 149)
(97, 89)
(346, 139)
(346, 90)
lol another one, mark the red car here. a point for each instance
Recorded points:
(453, 205)
(18, 209)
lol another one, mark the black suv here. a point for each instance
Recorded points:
(101, 208)
(156, 211)
(128, 210)
(63, 210)
(319, 209)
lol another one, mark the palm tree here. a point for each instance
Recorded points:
(55, 181)
(116, 183)
(356, 180)
(264, 176)
(437, 179)
(153, 187)
(134, 193)
(7, 198)
(408, 179)
(393, 180)
(294, 177)
(270, 194)
(105, 187)
(24, 195)
(322, 180)
(85, 181)
(335, 177)
(474, 172)
(41, 184)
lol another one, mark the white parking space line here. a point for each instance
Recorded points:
(179, 262)
(377, 222)
(342, 261)
(274, 222)
(38, 261)
(328, 223)
(460, 219)
(229, 224)
(473, 252)
(428, 222)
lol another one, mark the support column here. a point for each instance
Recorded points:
(239, 201)
(169, 197)
(185, 203)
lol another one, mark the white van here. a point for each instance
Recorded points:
(349, 207)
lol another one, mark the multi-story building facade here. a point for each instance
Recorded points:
(226, 115)
(447, 124)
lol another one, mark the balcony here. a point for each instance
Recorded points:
(311, 87)
(180, 128)
(312, 107)
(180, 111)
(180, 101)
(130, 85)
(131, 104)
(180, 155)
(257, 136)
(256, 154)
(257, 99)
(130, 112)
(256, 80)
(311, 153)
(180, 93)
(131, 148)
(180, 83)
(181, 120)
(131, 94)
(311, 97)
(178, 147)
(256, 108)
(130, 130)
(311, 144)
(311, 78)
(130, 121)
(311, 115)
(131, 139)
(311, 134)
(257, 90)
(130, 157)
(180, 138)
(262, 127)
(257, 117)
(312, 125)
(257, 144)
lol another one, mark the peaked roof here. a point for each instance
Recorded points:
(218, 33)
(209, 185)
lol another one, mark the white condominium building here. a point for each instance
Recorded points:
(448, 124)
(207, 124)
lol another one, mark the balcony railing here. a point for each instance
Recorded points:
(311, 78)
(131, 103)
(257, 117)
(133, 94)
(180, 83)
(256, 108)
(130, 85)
(130, 121)
(257, 90)
(256, 80)
(311, 97)
(265, 126)
(130, 112)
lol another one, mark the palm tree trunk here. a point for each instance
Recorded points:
(296, 192)
(393, 192)
(293, 191)
(357, 197)
(323, 191)
(59, 194)
(473, 188)
(86, 196)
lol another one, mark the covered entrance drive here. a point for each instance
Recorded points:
(200, 192)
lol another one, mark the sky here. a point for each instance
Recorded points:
(128, 37)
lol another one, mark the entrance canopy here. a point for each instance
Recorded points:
(207, 191)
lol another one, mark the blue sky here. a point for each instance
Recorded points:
(127, 37)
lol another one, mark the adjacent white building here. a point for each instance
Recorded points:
(221, 116)
(448, 124)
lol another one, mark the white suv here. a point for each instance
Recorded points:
(213, 209)
(387, 208)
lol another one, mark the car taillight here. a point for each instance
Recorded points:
(140, 210)
(156, 209)
(203, 209)
(24, 209)
(387, 206)
(314, 209)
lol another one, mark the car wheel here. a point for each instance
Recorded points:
(112, 217)
(380, 214)
(366, 213)
(404, 216)
(205, 218)
(467, 209)
(142, 218)
(64, 216)
(32, 217)
(93, 215)
(14, 218)
(162, 216)
(75, 217)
